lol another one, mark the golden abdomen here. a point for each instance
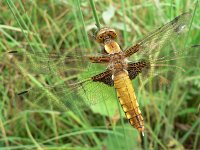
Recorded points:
(128, 101)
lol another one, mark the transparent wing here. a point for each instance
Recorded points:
(163, 69)
(65, 97)
(85, 93)
(160, 49)
(160, 38)
(69, 93)
(54, 63)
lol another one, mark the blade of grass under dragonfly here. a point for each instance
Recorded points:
(122, 121)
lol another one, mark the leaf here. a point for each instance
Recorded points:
(120, 26)
(108, 14)
(106, 108)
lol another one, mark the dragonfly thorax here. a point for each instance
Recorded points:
(117, 63)
(112, 47)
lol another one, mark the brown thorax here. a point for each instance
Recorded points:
(117, 63)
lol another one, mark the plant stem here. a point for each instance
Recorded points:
(95, 14)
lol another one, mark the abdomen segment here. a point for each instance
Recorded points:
(128, 101)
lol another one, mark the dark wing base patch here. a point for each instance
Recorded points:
(135, 68)
(98, 59)
(105, 77)
(130, 51)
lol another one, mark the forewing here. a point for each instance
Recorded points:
(54, 63)
(159, 48)
(68, 91)
(163, 36)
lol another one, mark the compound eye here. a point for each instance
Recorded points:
(112, 34)
(100, 38)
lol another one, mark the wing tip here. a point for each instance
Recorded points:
(22, 92)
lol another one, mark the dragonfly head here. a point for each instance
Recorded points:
(105, 34)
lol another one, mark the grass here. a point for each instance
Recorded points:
(171, 111)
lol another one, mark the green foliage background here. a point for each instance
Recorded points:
(171, 113)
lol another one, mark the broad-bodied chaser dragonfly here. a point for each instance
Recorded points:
(121, 69)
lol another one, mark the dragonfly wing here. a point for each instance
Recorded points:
(99, 59)
(55, 63)
(151, 49)
(73, 97)
(104, 77)
(135, 68)
(47, 63)
(162, 69)
(159, 38)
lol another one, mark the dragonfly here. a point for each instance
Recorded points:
(122, 66)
